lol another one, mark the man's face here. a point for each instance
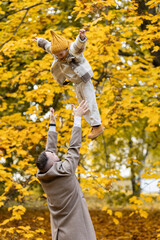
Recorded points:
(52, 158)
(60, 55)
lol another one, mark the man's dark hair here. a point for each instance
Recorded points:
(42, 160)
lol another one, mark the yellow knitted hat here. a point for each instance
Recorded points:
(58, 43)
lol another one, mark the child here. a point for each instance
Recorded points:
(70, 64)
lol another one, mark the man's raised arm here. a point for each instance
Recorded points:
(72, 158)
(52, 134)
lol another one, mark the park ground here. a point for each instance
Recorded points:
(130, 227)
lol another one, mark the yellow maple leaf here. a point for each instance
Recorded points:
(118, 214)
(116, 221)
(109, 211)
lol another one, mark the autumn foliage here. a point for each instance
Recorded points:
(123, 48)
(129, 227)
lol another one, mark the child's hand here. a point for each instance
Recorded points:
(36, 39)
(82, 34)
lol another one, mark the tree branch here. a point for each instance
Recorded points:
(126, 54)
(98, 80)
(16, 29)
(23, 9)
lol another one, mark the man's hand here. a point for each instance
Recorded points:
(81, 110)
(52, 116)
(82, 34)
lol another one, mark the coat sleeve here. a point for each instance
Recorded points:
(71, 161)
(45, 44)
(78, 46)
(51, 141)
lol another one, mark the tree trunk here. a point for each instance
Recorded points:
(142, 9)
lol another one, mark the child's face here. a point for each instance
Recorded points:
(60, 55)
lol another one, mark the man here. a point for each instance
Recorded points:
(70, 219)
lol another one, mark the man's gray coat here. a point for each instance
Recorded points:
(70, 219)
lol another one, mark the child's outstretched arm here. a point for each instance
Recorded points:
(43, 43)
(79, 45)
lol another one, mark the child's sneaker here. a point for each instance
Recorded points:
(96, 131)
